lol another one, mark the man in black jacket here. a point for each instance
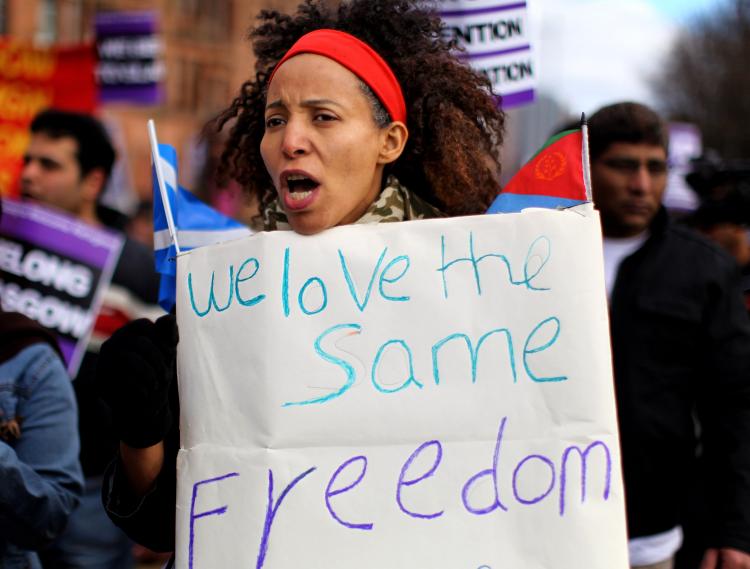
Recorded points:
(681, 350)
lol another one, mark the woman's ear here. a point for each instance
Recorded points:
(392, 142)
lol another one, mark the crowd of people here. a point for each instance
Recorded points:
(354, 118)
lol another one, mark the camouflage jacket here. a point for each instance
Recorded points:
(395, 203)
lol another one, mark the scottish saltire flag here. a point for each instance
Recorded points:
(553, 178)
(197, 224)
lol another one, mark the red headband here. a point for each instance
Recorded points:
(357, 57)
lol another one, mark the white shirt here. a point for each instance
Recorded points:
(615, 250)
(651, 549)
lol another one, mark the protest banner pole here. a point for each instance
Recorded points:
(156, 157)
(586, 158)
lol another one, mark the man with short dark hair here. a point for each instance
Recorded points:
(66, 165)
(681, 349)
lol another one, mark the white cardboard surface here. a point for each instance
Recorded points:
(296, 454)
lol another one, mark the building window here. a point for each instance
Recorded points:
(47, 28)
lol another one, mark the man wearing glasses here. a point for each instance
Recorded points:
(681, 350)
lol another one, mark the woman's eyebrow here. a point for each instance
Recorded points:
(278, 104)
(319, 103)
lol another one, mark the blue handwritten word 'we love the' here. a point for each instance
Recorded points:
(498, 489)
(382, 278)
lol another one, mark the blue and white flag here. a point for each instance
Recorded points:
(197, 224)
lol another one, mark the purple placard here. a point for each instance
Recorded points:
(32, 237)
(505, 57)
(473, 56)
(486, 10)
(58, 233)
(516, 99)
(68, 349)
(130, 67)
(140, 94)
(126, 23)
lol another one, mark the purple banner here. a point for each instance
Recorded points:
(138, 94)
(58, 232)
(130, 65)
(486, 10)
(126, 23)
(54, 269)
(480, 55)
(516, 99)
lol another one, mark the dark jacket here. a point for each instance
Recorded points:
(147, 520)
(133, 293)
(681, 350)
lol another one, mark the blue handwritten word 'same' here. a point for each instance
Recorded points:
(542, 337)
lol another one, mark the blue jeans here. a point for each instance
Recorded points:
(91, 540)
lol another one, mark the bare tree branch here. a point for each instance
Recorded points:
(706, 78)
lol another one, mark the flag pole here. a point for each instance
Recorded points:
(162, 185)
(586, 157)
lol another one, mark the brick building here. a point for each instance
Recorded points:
(205, 54)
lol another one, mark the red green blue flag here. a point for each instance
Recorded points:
(554, 178)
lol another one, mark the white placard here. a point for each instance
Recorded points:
(509, 72)
(421, 394)
(482, 31)
(496, 38)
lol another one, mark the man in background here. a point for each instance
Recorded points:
(66, 166)
(681, 350)
(723, 187)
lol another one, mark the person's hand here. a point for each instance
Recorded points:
(725, 558)
(135, 369)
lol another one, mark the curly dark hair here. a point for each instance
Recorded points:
(455, 125)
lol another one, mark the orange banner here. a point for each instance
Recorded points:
(33, 79)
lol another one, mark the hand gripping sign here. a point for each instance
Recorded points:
(421, 394)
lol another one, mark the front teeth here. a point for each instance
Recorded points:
(295, 177)
(296, 196)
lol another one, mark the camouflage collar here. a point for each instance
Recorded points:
(395, 203)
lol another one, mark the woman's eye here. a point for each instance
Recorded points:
(274, 121)
(325, 117)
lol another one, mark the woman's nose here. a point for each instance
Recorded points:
(296, 141)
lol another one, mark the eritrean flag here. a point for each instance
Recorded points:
(552, 179)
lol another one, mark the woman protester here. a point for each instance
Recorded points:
(359, 114)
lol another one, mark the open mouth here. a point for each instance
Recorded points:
(301, 189)
(300, 186)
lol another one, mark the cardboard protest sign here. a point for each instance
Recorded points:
(497, 40)
(421, 394)
(54, 269)
(33, 79)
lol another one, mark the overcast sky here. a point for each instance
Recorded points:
(594, 52)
